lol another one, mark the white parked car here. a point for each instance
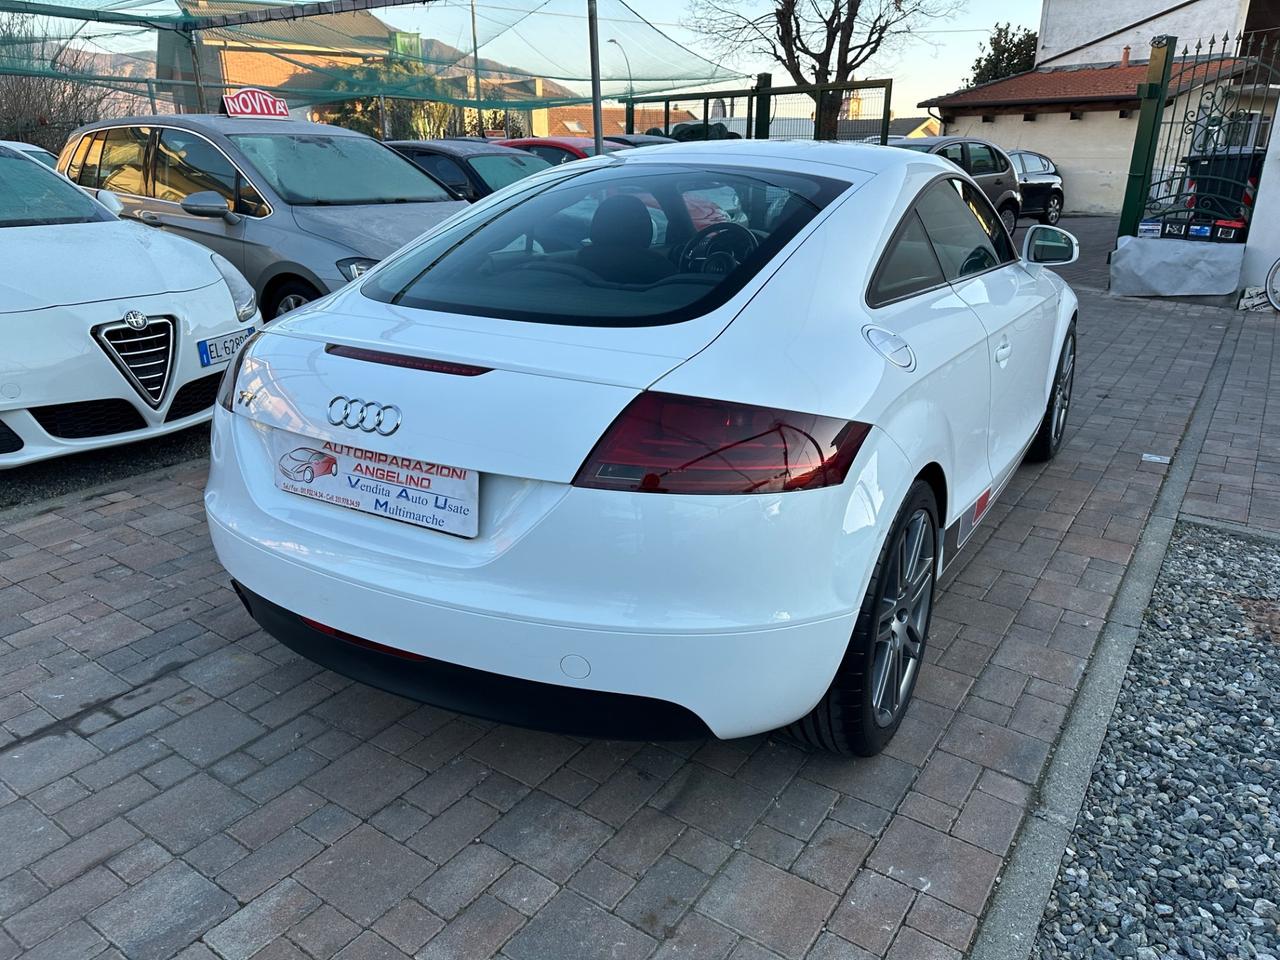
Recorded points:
(113, 332)
(608, 485)
(31, 151)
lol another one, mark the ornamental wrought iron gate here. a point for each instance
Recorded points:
(1205, 121)
(855, 110)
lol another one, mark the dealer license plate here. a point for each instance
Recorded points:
(221, 349)
(426, 494)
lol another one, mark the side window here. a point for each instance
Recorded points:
(123, 161)
(908, 266)
(981, 208)
(982, 160)
(962, 244)
(444, 170)
(1037, 164)
(954, 152)
(187, 164)
(76, 161)
(89, 172)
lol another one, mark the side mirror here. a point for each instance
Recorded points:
(207, 203)
(1050, 246)
(111, 202)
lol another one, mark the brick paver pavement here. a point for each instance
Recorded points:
(175, 783)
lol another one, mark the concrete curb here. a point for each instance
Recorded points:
(1012, 921)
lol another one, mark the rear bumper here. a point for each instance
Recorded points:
(493, 696)
(736, 610)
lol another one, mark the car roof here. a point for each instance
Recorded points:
(218, 123)
(579, 142)
(22, 147)
(862, 157)
(458, 148)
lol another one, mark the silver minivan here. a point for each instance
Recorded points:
(301, 208)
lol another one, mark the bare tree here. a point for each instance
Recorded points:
(815, 41)
(45, 101)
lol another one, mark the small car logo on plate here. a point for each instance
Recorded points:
(135, 319)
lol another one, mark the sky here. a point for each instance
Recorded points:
(935, 63)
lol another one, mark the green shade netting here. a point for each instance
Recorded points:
(531, 53)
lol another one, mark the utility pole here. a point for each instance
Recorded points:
(194, 44)
(597, 113)
(475, 66)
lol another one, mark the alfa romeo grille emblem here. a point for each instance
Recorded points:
(136, 319)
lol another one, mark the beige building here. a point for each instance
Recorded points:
(1079, 106)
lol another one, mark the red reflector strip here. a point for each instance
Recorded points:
(400, 360)
(359, 641)
(980, 507)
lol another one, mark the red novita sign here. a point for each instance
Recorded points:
(252, 102)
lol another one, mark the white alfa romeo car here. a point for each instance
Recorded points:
(113, 332)
(600, 469)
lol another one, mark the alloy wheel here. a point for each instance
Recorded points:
(903, 618)
(1054, 212)
(1062, 390)
(292, 302)
(1009, 216)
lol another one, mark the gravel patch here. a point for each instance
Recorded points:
(1176, 852)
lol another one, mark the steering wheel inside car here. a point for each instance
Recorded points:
(717, 248)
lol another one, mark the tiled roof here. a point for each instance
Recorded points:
(1080, 84)
(576, 121)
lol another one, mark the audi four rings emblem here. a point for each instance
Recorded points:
(367, 415)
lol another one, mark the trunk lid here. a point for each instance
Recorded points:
(547, 395)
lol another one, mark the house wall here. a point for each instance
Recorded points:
(1065, 24)
(1092, 154)
(1263, 247)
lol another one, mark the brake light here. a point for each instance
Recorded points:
(663, 443)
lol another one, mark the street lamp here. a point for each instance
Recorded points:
(631, 87)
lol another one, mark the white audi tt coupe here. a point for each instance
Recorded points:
(112, 331)
(603, 469)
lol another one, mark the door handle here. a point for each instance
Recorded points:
(149, 218)
(1003, 352)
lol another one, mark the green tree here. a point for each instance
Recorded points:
(1008, 52)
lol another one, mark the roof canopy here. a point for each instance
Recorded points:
(490, 53)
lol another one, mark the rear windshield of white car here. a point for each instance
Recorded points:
(319, 169)
(32, 195)
(622, 245)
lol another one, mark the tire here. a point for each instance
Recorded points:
(290, 295)
(1273, 286)
(1009, 214)
(308, 475)
(1052, 210)
(851, 718)
(1053, 427)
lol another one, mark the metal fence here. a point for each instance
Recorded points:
(1207, 111)
(856, 110)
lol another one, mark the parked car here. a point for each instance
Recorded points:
(32, 151)
(989, 166)
(469, 168)
(301, 208)
(642, 487)
(113, 333)
(1040, 184)
(557, 150)
(639, 139)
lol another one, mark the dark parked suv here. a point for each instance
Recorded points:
(1041, 185)
(985, 162)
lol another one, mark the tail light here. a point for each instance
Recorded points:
(227, 385)
(663, 443)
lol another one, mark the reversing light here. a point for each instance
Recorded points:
(664, 443)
